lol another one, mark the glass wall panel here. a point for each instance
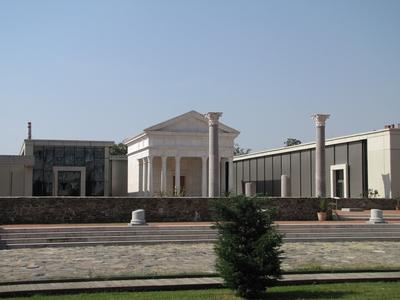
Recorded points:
(276, 175)
(47, 157)
(295, 174)
(305, 174)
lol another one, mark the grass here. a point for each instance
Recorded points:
(354, 291)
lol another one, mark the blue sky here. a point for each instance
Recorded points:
(105, 70)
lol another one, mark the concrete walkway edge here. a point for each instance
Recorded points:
(180, 283)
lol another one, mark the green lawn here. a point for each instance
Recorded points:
(361, 291)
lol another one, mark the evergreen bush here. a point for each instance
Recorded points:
(248, 246)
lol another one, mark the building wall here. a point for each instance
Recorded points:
(379, 164)
(53, 210)
(119, 175)
(15, 175)
(395, 163)
(266, 171)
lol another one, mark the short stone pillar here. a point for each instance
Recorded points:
(250, 189)
(376, 217)
(320, 189)
(285, 186)
(138, 217)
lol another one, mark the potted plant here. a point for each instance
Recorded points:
(323, 208)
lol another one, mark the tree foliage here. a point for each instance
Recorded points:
(248, 246)
(118, 149)
(292, 142)
(239, 150)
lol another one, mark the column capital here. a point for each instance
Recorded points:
(213, 117)
(320, 119)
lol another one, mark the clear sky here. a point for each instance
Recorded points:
(105, 70)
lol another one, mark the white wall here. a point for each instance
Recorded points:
(379, 161)
(15, 177)
(395, 162)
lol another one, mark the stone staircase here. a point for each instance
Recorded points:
(36, 237)
(363, 215)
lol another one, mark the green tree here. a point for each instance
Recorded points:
(118, 149)
(292, 142)
(248, 246)
(239, 150)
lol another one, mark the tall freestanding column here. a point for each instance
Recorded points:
(213, 156)
(320, 119)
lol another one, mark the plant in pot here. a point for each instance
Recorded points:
(323, 209)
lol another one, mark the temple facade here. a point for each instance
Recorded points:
(171, 158)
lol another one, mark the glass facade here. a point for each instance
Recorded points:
(47, 157)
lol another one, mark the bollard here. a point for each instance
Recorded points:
(138, 217)
(250, 189)
(285, 186)
(376, 217)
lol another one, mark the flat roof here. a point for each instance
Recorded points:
(311, 145)
(82, 143)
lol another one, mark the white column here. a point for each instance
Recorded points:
(230, 182)
(320, 187)
(163, 187)
(177, 175)
(213, 148)
(150, 175)
(145, 176)
(204, 176)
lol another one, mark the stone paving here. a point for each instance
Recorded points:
(163, 259)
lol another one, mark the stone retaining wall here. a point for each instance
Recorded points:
(41, 210)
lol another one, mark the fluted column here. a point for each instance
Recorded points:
(320, 189)
(213, 156)
(177, 175)
(163, 187)
(150, 175)
(204, 176)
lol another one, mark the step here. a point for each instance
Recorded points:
(104, 233)
(106, 238)
(106, 243)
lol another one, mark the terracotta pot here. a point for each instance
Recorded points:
(321, 216)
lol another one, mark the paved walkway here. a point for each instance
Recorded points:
(166, 259)
(180, 283)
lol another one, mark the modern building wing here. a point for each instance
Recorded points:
(356, 165)
(63, 168)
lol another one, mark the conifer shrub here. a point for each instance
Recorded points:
(248, 246)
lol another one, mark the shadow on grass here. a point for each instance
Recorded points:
(301, 294)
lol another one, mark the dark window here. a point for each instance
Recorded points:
(69, 183)
(339, 177)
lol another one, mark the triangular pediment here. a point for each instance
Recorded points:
(189, 122)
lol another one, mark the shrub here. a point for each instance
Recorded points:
(248, 246)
